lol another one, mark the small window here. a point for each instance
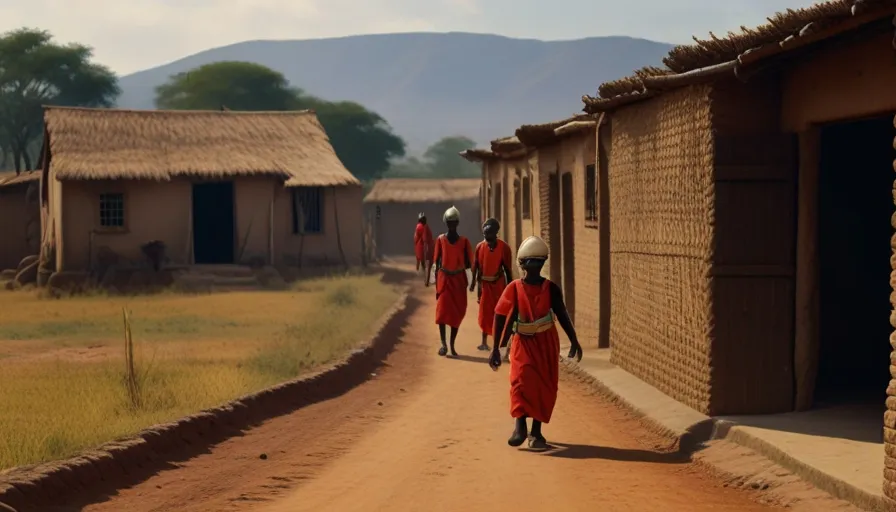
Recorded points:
(307, 210)
(527, 198)
(590, 194)
(112, 210)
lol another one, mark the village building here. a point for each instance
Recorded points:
(215, 187)
(750, 207)
(392, 207)
(508, 192)
(19, 217)
(561, 162)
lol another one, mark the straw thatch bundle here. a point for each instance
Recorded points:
(94, 144)
(9, 178)
(575, 127)
(507, 145)
(535, 135)
(420, 190)
(478, 155)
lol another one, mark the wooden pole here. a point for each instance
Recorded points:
(338, 235)
(806, 343)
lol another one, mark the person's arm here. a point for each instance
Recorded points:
(502, 325)
(436, 262)
(476, 270)
(559, 308)
(468, 253)
(507, 261)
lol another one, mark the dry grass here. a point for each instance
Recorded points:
(63, 368)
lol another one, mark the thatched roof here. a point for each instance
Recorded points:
(575, 127)
(423, 190)
(506, 145)
(710, 58)
(92, 144)
(478, 155)
(10, 179)
(535, 135)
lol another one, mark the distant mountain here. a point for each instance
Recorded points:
(431, 85)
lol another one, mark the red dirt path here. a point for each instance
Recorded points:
(430, 434)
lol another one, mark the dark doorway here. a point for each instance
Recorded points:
(569, 285)
(854, 209)
(554, 239)
(213, 223)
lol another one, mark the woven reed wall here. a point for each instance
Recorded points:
(890, 415)
(661, 183)
(754, 259)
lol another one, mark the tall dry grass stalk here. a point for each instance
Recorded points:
(132, 381)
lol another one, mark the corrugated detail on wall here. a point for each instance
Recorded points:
(661, 182)
(890, 415)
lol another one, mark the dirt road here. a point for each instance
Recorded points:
(429, 434)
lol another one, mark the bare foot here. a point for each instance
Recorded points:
(538, 443)
(443, 350)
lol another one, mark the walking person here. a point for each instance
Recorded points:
(423, 248)
(491, 274)
(453, 256)
(531, 305)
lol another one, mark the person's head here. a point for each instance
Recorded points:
(532, 255)
(421, 218)
(490, 229)
(451, 218)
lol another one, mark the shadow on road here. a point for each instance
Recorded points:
(582, 451)
(471, 359)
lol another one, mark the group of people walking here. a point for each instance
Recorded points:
(521, 313)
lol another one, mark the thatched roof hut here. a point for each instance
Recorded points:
(159, 145)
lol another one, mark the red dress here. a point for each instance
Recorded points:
(423, 242)
(451, 280)
(534, 350)
(491, 264)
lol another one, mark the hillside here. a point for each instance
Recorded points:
(431, 85)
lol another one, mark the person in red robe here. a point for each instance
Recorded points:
(452, 257)
(491, 273)
(423, 248)
(529, 307)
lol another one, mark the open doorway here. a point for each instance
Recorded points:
(854, 209)
(213, 223)
(568, 230)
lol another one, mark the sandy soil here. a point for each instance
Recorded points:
(429, 433)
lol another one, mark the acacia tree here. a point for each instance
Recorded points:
(362, 139)
(444, 158)
(35, 71)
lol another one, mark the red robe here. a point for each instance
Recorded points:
(451, 279)
(534, 359)
(491, 264)
(423, 242)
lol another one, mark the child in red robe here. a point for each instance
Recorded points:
(491, 271)
(423, 248)
(453, 256)
(530, 305)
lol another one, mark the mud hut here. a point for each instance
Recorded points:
(19, 217)
(750, 203)
(393, 204)
(561, 163)
(216, 187)
(507, 179)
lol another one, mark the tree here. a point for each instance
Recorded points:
(444, 158)
(441, 160)
(35, 71)
(362, 139)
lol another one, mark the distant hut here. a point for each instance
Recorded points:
(19, 217)
(393, 205)
(215, 187)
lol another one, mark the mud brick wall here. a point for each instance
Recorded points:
(661, 199)
(548, 157)
(890, 414)
(587, 243)
(753, 286)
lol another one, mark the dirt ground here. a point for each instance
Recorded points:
(428, 433)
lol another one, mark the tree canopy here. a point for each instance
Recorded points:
(362, 139)
(441, 160)
(35, 71)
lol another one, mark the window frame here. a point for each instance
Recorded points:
(294, 212)
(125, 226)
(592, 209)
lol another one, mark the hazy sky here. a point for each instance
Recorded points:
(130, 35)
